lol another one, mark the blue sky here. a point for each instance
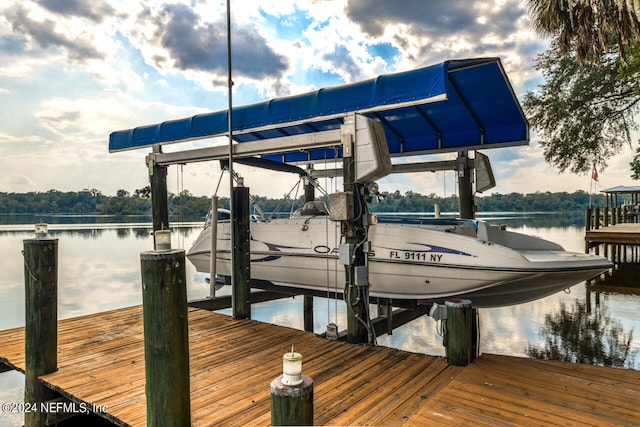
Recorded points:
(73, 71)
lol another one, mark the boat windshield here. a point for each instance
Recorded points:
(314, 208)
(223, 215)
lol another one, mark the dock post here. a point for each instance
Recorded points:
(166, 341)
(596, 222)
(353, 231)
(460, 336)
(309, 196)
(587, 227)
(465, 188)
(241, 287)
(292, 394)
(159, 198)
(41, 321)
(605, 217)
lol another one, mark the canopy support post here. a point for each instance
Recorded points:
(465, 185)
(309, 196)
(355, 237)
(159, 199)
(241, 254)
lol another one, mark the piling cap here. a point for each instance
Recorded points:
(41, 230)
(162, 240)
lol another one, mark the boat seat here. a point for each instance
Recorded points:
(490, 233)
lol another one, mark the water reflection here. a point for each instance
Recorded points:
(535, 219)
(623, 279)
(99, 270)
(579, 335)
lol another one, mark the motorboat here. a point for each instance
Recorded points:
(418, 260)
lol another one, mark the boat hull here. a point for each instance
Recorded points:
(414, 262)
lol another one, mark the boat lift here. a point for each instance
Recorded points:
(454, 106)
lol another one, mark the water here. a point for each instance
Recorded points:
(99, 270)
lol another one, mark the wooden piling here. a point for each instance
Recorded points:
(41, 324)
(166, 344)
(596, 222)
(357, 311)
(292, 405)
(459, 338)
(587, 227)
(465, 187)
(241, 286)
(159, 198)
(309, 196)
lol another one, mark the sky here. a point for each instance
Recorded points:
(73, 71)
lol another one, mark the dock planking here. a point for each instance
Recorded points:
(621, 234)
(232, 362)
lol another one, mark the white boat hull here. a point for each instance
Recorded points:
(408, 261)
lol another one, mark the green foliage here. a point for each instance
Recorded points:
(635, 165)
(124, 203)
(589, 28)
(584, 113)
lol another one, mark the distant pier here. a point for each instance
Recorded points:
(232, 362)
(614, 233)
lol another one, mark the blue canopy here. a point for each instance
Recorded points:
(446, 107)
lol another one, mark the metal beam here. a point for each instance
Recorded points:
(443, 165)
(301, 142)
(225, 302)
(398, 317)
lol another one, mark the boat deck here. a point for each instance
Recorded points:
(232, 362)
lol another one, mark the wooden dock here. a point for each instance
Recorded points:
(619, 242)
(618, 234)
(232, 362)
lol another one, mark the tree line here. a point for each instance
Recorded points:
(93, 202)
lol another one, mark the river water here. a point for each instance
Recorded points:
(99, 270)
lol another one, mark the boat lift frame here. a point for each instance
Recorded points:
(450, 107)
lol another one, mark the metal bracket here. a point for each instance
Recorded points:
(347, 134)
(151, 162)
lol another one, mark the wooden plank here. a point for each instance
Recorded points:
(520, 405)
(584, 396)
(396, 392)
(627, 233)
(418, 398)
(101, 361)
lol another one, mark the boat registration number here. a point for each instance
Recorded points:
(415, 256)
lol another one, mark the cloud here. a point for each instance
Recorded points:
(94, 10)
(431, 17)
(76, 70)
(186, 41)
(46, 34)
(427, 32)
